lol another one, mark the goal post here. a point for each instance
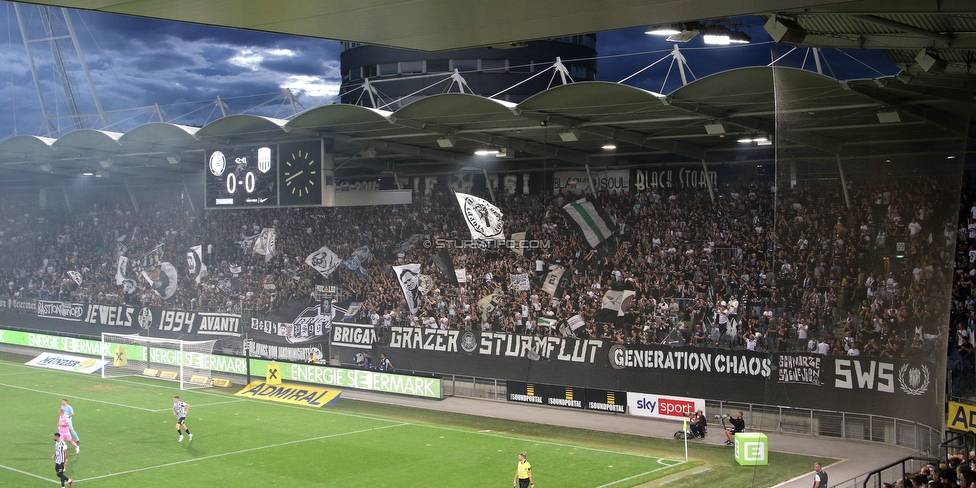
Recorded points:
(186, 362)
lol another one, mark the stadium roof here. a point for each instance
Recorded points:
(563, 127)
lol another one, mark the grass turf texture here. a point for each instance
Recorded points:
(128, 438)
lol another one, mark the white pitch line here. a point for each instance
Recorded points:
(15, 374)
(77, 397)
(196, 405)
(242, 451)
(624, 480)
(15, 470)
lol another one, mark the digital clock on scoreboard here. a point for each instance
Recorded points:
(242, 177)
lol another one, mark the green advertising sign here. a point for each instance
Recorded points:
(305, 373)
(751, 449)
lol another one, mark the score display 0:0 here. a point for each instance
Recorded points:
(242, 177)
(249, 182)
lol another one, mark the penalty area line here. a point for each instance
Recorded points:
(25, 473)
(645, 473)
(242, 451)
(34, 390)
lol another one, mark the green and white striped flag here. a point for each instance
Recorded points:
(545, 321)
(590, 219)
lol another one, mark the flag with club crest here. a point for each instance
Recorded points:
(484, 219)
(324, 261)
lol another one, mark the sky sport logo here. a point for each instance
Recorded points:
(514, 244)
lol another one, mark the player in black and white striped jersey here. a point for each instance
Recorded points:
(60, 458)
(180, 409)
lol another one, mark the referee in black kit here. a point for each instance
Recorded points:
(60, 457)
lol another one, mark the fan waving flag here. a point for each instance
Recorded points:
(443, 261)
(194, 263)
(163, 280)
(324, 261)
(590, 219)
(266, 244)
(409, 277)
(484, 219)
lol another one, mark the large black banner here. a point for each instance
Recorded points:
(898, 388)
(142, 318)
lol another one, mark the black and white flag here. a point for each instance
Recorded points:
(324, 261)
(121, 270)
(194, 263)
(162, 280)
(75, 276)
(484, 219)
(555, 281)
(266, 244)
(409, 277)
(148, 261)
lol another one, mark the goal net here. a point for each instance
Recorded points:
(186, 362)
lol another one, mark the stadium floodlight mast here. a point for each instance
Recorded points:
(187, 362)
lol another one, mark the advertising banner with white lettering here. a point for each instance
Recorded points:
(296, 354)
(675, 178)
(498, 344)
(359, 336)
(543, 394)
(19, 304)
(153, 318)
(664, 359)
(60, 310)
(578, 182)
(663, 406)
(606, 400)
(902, 388)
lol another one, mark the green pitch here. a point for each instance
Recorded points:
(128, 439)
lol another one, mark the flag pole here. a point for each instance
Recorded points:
(684, 426)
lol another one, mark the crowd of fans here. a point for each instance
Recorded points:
(756, 267)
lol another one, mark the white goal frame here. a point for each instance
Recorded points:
(158, 357)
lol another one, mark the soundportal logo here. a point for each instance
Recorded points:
(750, 451)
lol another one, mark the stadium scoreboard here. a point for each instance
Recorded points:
(265, 176)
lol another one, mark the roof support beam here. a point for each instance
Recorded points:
(932, 116)
(630, 137)
(534, 148)
(910, 29)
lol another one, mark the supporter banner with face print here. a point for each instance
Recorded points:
(324, 261)
(409, 278)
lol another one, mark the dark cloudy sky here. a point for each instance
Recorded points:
(136, 63)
